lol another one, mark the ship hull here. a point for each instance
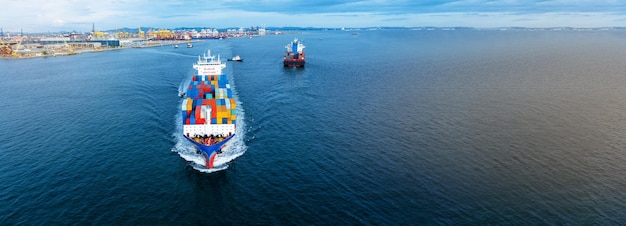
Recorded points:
(209, 152)
(293, 63)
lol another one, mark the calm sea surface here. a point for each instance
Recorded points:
(382, 128)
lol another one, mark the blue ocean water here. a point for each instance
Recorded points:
(385, 127)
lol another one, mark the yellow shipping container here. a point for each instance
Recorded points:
(223, 114)
(189, 104)
(233, 103)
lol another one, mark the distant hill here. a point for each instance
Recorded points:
(146, 29)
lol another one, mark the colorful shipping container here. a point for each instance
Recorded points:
(202, 97)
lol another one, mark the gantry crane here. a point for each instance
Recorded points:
(140, 33)
(70, 48)
(17, 47)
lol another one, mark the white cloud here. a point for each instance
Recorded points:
(46, 15)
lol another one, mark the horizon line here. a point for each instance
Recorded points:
(335, 28)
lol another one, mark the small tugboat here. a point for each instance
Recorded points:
(175, 46)
(235, 58)
(294, 55)
(189, 45)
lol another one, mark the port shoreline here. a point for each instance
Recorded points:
(38, 53)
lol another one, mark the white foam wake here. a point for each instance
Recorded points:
(182, 88)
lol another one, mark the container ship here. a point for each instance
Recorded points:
(294, 55)
(209, 111)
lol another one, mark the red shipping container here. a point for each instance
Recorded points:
(213, 110)
(207, 102)
(198, 112)
(200, 121)
(187, 121)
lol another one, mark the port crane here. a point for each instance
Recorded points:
(140, 33)
(17, 47)
(69, 48)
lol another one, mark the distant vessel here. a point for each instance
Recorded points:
(294, 55)
(175, 46)
(235, 58)
(189, 45)
(209, 111)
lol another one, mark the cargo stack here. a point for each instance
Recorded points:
(209, 101)
(209, 111)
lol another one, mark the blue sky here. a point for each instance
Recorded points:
(57, 15)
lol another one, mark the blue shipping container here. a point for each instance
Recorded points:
(193, 93)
